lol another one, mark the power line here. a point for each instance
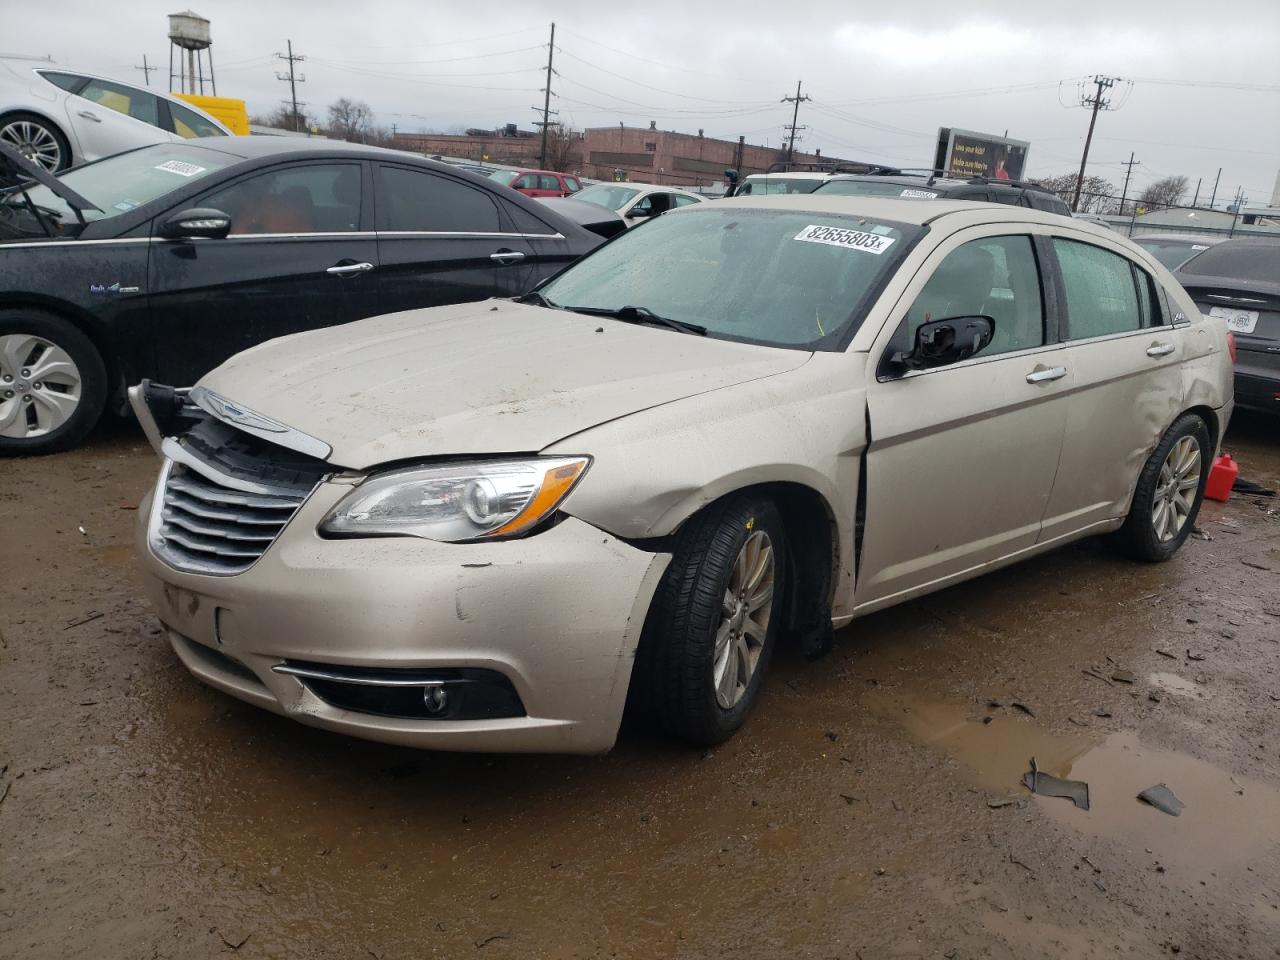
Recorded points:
(393, 63)
(795, 116)
(293, 81)
(670, 93)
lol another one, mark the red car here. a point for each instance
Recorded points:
(538, 183)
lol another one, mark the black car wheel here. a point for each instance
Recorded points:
(1170, 489)
(37, 139)
(53, 385)
(714, 621)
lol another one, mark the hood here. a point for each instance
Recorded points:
(480, 378)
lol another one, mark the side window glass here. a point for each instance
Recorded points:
(528, 182)
(996, 277)
(526, 222)
(644, 205)
(683, 201)
(1148, 299)
(1101, 296)
(189, 124)
(416, 201)
(546, 182)
(127, 100)
(573, 184)
(320, 198)
(67, 81)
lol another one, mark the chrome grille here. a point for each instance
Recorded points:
(203, 525)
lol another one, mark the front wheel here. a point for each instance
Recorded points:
(714, 621)
(53, 385)
(1170, 489)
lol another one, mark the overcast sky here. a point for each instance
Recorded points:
(1205, 88)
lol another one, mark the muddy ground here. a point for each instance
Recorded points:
(872, 808)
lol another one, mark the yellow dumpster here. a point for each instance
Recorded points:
(230, 112)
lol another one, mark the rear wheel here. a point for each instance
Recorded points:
(53, 384)
(714, 621)
(1170, 489)
(37, 139)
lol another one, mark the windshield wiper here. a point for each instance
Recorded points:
(633, 314)
(538, 300)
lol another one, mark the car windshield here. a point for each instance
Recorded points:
(611, 196)
(504, 177)
(782, 278)
(1256, 262)
(1172, 253)
(875, 188)
(758, 184)
(119, 184)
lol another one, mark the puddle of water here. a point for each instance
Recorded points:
(1227, 821)
(116, 554)
(1177, 685)
(997, 753)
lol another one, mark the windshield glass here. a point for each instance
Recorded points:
(1172, 253)
(119, 184)
(1258, 262)
(758, 184)
(504, 177)
(775, 277)
(611, 196)
(876, 188)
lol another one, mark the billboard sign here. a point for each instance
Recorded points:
(964, 153)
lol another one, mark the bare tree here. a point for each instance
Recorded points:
(564, 149)
(1165, 192)
(1097, 194)
(350, 120)
(283, 118)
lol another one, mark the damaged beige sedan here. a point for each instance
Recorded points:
(494, 526)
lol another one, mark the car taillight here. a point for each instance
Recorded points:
(1231, 346)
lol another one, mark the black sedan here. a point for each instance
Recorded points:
(1238, 281)
(164, 261)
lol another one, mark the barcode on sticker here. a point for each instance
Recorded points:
(180, 167)
(849, 239)
(919, 194)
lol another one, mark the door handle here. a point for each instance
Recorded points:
(507, 256)
(90, 115)
(349, 269)
(1048, 373)
(1160, 349)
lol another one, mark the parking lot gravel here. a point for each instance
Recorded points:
(873, 807)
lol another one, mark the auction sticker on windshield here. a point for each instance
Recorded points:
(850, 239)
(181, 168)
(919, 194)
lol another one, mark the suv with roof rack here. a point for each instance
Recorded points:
(932, 185)
(794, 177)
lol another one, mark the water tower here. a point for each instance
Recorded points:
(189, 39)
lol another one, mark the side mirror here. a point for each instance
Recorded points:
(639, 213)
(950, 340)
(196, 223)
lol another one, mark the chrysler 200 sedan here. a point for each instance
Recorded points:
(491, 526)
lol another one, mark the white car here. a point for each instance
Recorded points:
(637, 202)
(58, 118)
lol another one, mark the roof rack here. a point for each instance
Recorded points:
(826, 166)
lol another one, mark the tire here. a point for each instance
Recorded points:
(1140, 537)
(30, 133)
(677, 667)
(61, 395)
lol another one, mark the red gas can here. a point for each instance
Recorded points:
(1221, 477)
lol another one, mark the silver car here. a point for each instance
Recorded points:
(58, 118)
(491, 526)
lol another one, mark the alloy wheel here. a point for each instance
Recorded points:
(1175, 492)
(34, 141)
(40, 386)
(744, 623)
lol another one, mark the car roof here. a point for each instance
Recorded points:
(794, 175)
(1181, 237)
(894, 208)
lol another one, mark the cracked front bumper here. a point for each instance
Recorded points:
(558, 614)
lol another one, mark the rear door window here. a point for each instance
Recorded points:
(1102, 297)
(417, 201)
(130, 101)
(527, 182)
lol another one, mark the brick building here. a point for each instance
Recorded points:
(643, 154)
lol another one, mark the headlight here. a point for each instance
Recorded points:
(474, 500)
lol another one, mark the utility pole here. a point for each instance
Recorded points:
(294, 80)
(795, 116)
(1215, 188)
(1097, 102)
(546, 98)
(146, 69)
(1235, 211)
(1125, 192)
(1199, 180)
